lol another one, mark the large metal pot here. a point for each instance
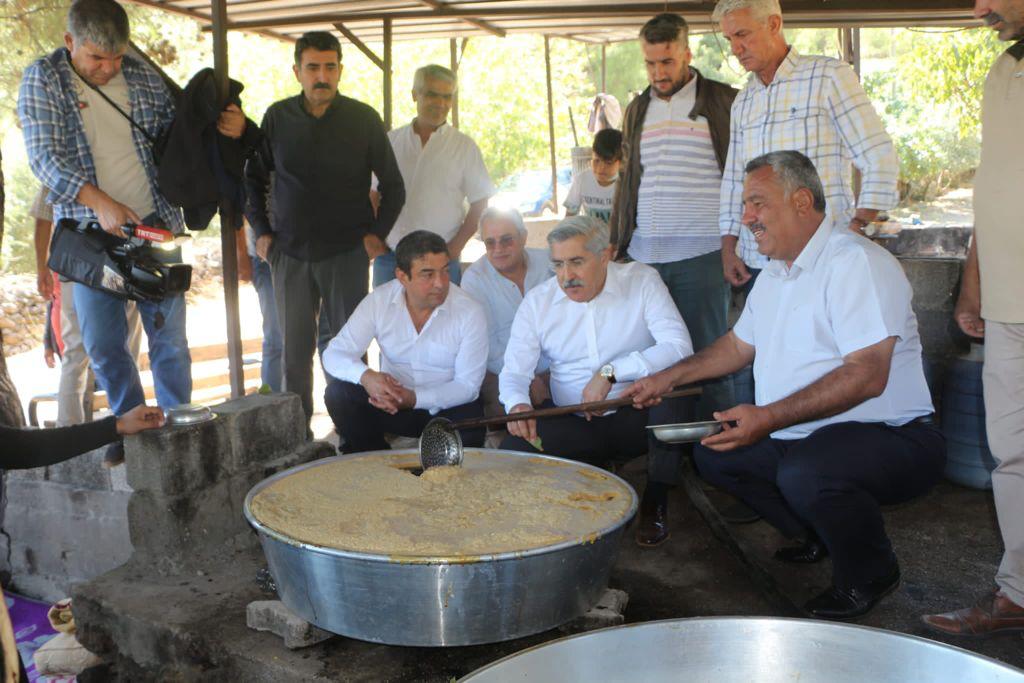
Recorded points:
(744, 649)
(437, 601)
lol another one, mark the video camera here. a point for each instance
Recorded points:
(144, 267)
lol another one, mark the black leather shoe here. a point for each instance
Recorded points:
(652, 529)
(810, 551)
(850, 603)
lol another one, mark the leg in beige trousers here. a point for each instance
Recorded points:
(76, 381)
(1004, 408)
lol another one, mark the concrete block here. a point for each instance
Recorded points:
(176, 460)
(189, 530)
(609, 611)
(86, 471)
(262, 427)
(274, 616)
(60, 535)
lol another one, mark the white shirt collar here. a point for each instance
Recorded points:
(809, 255)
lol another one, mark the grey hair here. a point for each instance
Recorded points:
(495, 213)
(593, 229)
(435, 72)
(759, 9)
(794, 171)
(103, 23)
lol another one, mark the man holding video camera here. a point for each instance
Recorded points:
(90, 114)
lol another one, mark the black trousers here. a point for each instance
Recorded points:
(618, 437)
(831, 483)
(363, 426)
(314, 299)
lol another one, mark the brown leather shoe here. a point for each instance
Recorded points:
(652, 529)
(996, 614)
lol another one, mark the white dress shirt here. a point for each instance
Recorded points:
(439, 178)
(632, 324)
(500, 298)
(842, 294)
(443, 363)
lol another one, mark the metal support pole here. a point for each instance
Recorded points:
(453, 52)
(604, 68)
(228, 213)
(387, 74)
(551, 123)
(849, 40)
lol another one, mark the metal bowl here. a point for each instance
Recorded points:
(740, 650)
(189, 414)
(438, 601)
(685, 432)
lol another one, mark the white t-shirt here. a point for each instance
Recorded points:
(589, 197)
(842, 294)
(119, 171)
(440, 177)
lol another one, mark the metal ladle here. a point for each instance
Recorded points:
(441, 443)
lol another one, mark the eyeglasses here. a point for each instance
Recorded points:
(504, 241)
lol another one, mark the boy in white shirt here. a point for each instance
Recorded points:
(593, 189)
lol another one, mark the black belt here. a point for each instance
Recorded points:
(928, 419)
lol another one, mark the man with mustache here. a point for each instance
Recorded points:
(600, 324)
(90, 113)
(990, 306)
(442, 169)
(313, 170)
(812, 104)
(665, 214)
(433, 350)
(843, 421)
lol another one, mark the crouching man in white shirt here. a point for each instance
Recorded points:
(601, 325)
(843, 421)
(433, 350)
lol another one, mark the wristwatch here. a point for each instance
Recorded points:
(608, 372)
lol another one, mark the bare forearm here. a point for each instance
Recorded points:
(42, 243)
(727, 354)
(970, 285)
(470, 224)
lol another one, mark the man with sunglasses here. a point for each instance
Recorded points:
(499, 280)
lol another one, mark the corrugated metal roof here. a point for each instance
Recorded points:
(589, 20)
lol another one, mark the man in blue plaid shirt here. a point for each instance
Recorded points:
(99, 166)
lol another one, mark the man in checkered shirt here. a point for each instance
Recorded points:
(99, 166)
(811, 104)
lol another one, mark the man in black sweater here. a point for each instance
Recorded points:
(314, 223)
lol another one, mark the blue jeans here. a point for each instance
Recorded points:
(270, 370)
(385, 264)
(104, 325)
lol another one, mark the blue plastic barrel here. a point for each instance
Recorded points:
(969, 461)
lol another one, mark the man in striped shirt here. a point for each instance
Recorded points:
(675, 141)
(811, 104)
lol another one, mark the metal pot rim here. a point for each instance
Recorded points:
(824, 625)
(430, 559)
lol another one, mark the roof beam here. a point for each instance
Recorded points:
(205, 19)
(479, 23)
(354, 39)
(837, 11)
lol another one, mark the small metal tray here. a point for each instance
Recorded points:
(189, 414)
(685, 432)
